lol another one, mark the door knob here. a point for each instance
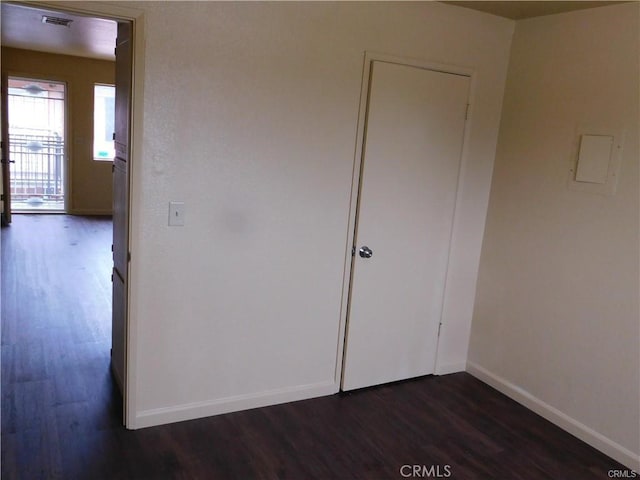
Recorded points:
(365, 252)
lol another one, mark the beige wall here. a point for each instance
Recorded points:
(556, 321)
(250, 117)
(90, 188)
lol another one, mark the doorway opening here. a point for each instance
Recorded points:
(91, 28)
(37, 146)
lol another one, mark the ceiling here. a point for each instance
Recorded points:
(518, 10)
(22, 27)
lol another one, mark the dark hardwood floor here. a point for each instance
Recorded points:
(61, 412)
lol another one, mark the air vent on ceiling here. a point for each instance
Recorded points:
(63, 22)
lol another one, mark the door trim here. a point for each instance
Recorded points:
(369, 58)
(136, 17)
(5, 217)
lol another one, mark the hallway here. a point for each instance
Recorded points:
(56, 337)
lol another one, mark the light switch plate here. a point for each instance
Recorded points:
(176, 214)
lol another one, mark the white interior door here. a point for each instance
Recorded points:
(411, 159)
(122, 137)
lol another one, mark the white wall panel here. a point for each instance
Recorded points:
(557, 304)
(250, 118)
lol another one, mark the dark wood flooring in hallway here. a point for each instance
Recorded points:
(61, 412)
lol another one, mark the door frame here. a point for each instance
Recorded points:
(136, 17)
(67, 131)
(349, 257)
(5, 167)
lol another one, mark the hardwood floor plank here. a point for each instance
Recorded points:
(61, 411)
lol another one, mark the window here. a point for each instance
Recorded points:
(104, 99)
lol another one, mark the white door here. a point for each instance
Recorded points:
(411, 159)
(122, 142)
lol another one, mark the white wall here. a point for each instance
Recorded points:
(556, 321)
(250, 118)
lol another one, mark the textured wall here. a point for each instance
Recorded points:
(557, 303)
(250, 118)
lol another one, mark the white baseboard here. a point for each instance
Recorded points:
(191, 411)
(555, 416)
(450, 368)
